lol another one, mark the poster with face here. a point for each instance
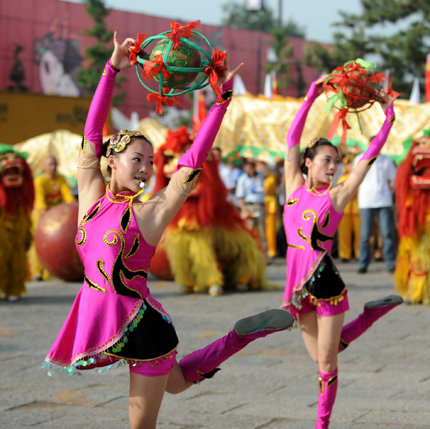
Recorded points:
(58, 57)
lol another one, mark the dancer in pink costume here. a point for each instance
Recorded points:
(114, 319)
(315, 292)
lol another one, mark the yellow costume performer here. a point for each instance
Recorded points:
(16, 203)
(412, 274)
(271, 204)
(207, 244)
(51, 189)
(349, 226)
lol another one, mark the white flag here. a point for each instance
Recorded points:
(415, 94)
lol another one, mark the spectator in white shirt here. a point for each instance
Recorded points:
(375, 198)
(250, 193)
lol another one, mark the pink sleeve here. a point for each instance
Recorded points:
(376, 144)
(296, 129)
(196, 155)
(99, 109)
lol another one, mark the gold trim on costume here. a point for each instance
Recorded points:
(100, 264)
(326, 220)
(321, 386)
(371, 161)
(295, 247)
(92, 285)
(192, 175)
(292, 202)
(134, 248)
(331, 381)
(143, 360)
(92, 215)
(226, 95)
(125, 220)
(390, 121)
(83, 238)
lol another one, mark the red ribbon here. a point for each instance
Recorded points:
(153, 68)
(213, 72)
(181, 31)
(340, 115)
(159, 99)
(135, 48)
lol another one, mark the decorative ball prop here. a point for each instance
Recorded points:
(175, 62)
(55, 242)
(356, 88)
(160, 265)
(184, 57)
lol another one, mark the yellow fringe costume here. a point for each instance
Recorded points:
(15, 239)
(271, 204)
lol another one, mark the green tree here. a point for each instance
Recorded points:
(403, 52)
(17, 74)
(236, 15)
(98, 54)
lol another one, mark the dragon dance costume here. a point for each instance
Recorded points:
(313, 282)
(114, 319)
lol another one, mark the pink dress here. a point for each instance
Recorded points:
(310, 222)
(114, 318)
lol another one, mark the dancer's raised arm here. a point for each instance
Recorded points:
(293, 175)
(167, 202)
(342, 194)
(91, 184)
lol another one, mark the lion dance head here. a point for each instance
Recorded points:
(16, 181)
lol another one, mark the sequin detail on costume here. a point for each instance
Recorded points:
(118, 346)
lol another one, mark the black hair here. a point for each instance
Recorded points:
(311, 152)
(106, 144)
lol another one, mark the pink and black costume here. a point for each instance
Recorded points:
(313, 282)
(114, 319)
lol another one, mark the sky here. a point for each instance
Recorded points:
(316, 16)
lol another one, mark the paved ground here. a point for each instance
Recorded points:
(384, 376)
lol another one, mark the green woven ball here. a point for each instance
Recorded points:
(185, 56)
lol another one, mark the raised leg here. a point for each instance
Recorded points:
(203, 363)
(373, 311)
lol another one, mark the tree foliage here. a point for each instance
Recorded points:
(98, 54)
(236, 15)
(403, 52)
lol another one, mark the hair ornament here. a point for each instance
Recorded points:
(120, 140)
(314, 142)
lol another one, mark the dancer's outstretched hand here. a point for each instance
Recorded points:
(227, 74)
(387, 100)
(320, 83)
(120, 57)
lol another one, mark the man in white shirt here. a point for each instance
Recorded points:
(375, 198)
(250, 194)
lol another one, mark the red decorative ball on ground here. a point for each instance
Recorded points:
(55, 242)
(160, 265)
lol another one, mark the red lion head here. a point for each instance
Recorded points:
(16, 181)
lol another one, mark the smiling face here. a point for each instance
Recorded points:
(133, 166)
(322, 169)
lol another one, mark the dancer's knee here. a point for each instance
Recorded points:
(327, 362)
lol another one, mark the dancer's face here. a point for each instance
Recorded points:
(133, 166)
(322, 169)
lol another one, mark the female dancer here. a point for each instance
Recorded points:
(114, 318)
(315, 292)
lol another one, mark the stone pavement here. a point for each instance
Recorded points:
(384, 377)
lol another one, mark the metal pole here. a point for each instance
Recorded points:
(279, 13)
